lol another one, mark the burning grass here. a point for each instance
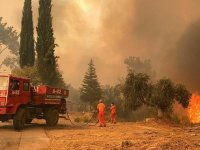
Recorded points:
(194, 108)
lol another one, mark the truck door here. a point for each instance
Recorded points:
(14, 92)
(26, 91)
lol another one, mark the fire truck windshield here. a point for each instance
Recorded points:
(3, 83)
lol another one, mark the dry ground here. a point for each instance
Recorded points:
(151, 134)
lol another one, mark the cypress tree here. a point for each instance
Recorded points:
(45, 46)
(26, 51)
(90, 90)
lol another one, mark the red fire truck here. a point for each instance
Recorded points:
(22, 102)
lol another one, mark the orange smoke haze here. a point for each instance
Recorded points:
(110, 31)
(194, 109)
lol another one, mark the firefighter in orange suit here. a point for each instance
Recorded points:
(113, 113)
(101, 113)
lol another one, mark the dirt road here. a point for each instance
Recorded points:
(32, 138)
(151, 135)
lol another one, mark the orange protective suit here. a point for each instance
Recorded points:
(101, 115)
(113, 114)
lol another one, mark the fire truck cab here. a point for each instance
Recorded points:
(22, 102)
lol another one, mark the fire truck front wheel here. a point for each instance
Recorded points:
(52, 116)
(19, 119)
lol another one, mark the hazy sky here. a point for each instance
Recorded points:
(110, 30)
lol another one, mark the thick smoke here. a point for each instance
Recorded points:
(187, 56)
(167, 32)
(155, 29)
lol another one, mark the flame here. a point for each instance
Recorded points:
(194, 108)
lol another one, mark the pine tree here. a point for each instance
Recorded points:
(26, 51)
(90, 90)
(45, 46)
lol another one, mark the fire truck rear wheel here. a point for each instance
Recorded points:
(52, 116)
(19, 119)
